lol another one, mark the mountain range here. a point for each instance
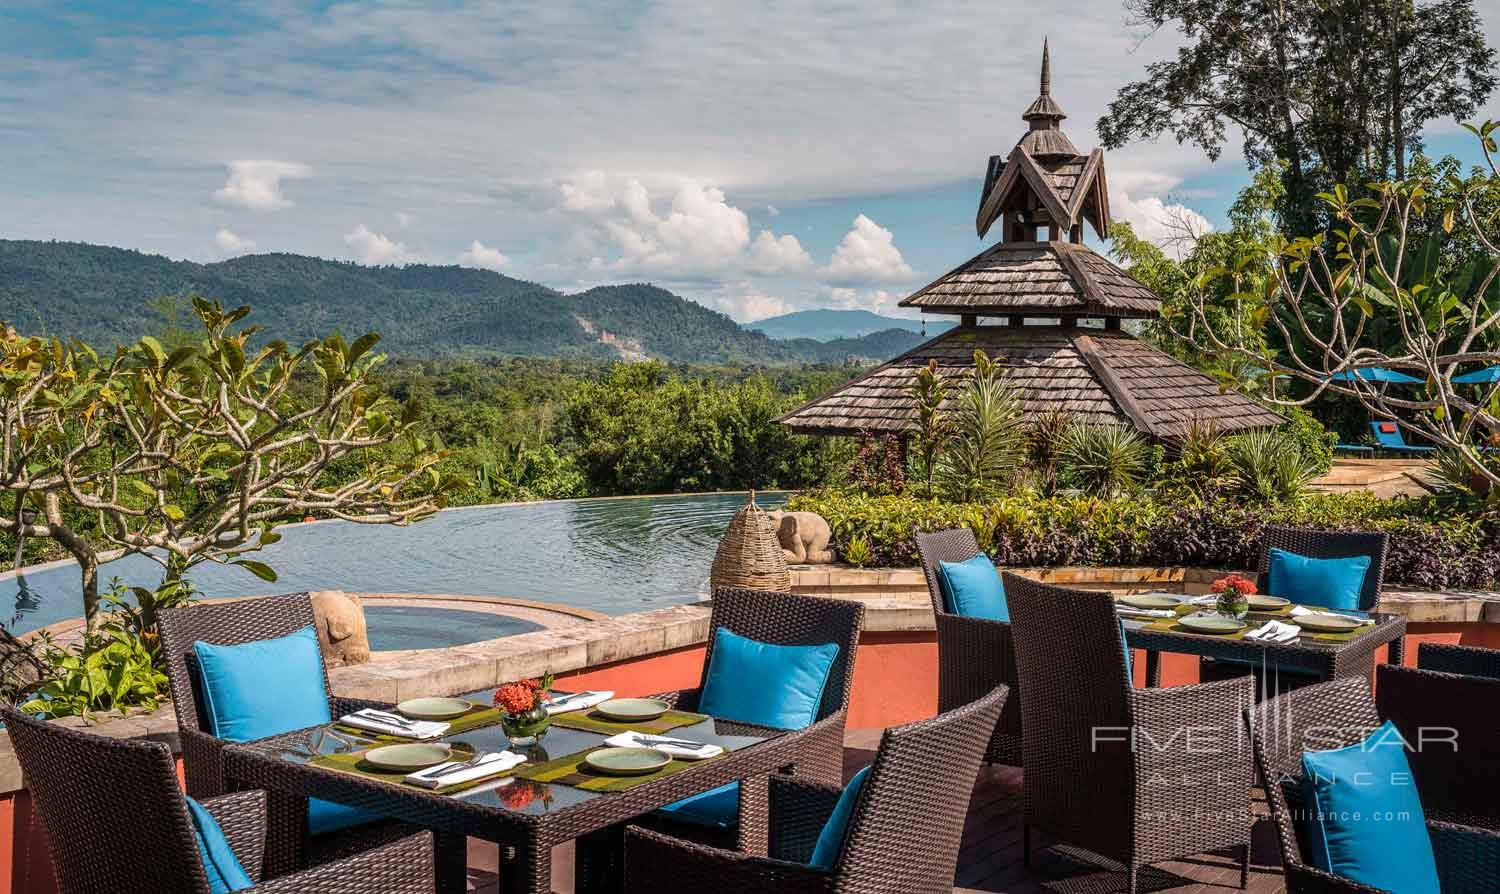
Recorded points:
(827, 324)
(100, 294)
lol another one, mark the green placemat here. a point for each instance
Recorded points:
(478, 717)
(354, 764)
(1344, 637)
(570, 770)
(594, 722)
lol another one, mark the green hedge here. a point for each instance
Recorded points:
(1430, 548)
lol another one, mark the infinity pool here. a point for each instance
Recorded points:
(610, 555)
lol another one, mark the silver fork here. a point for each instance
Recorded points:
(469, 764)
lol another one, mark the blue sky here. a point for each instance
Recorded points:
(761, 159)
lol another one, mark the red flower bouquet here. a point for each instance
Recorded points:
(1233, 595)
(525, 705)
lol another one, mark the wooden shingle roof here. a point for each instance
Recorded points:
(1095, 374)
(1039, 278)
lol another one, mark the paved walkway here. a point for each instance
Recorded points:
(1383, 477)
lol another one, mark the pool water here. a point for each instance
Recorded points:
(393, 627)
(611, 555)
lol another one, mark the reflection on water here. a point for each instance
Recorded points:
(612, 556)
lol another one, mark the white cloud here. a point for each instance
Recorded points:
(699, 234)
(773, 211)
(478, 255)
(231, 244)
(772, 254)
(404, 220)
(257, 184)
(374, 248)
(1144, 199)
(880, 301)
(866, 256)
(747, 304)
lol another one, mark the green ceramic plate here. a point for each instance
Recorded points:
(1326, 623)
(1212, 624)
(630, 710)
(434, 708)
(627, 761)
(1261, 603)
(1151, 600)
(409, 757)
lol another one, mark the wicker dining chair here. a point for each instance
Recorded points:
(1138, 776)
(792, 620)
(903, 835)
(1315, 544)
(974, 654)
(233, 622)
(1454, 722)
(116, 822)
(1473, 661)
(1335, 714)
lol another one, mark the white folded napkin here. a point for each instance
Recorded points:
(633, 739)
(1205, 599)
(577, 701)
(490, 764)
(377, 722)
(1130, 612)
(1275, 632)
(1298, 611)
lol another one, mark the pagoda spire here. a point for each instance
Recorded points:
(1044, 112)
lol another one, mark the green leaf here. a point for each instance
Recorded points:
(259, 569)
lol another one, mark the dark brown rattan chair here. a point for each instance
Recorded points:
(1455, 721)
(903, 835)
(116, 822)
(1139, 776)
(232, 623)
(1332, 715)
(974, 654)
(1472, 661)
(792, 620)
(1316, 544)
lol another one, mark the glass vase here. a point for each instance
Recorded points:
(526, 728)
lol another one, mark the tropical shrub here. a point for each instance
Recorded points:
(1430, 548)
(1102, 458)
(988, 443)
(1268, 467)
(1313, 440)
(879, 465)
(112, 670)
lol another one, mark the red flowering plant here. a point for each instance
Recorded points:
(1233, 594)
(525, 705)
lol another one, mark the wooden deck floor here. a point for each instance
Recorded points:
(991, 857)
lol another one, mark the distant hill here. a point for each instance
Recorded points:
(827, 325)
(99, 294)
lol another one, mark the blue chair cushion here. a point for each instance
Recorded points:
(1129, 662)
(764, 683)
(219, 861)
(1330, 583)
(268, 687)
(263, 688)
(717, 808)
(1363, 818)
(831, 840)
(973, 589)
(760, 683)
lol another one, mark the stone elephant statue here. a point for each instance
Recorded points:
(803, 536)
(342, 634)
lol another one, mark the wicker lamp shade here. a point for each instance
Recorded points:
(750, 556)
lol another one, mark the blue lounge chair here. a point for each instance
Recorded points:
(1354, 448)
(1388, 435)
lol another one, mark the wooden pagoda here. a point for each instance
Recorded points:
(1059, 306)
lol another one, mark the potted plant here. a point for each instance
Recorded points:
(524, 704)
(1232, 594)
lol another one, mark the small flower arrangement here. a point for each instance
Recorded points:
(524, 704)
(1233, 594)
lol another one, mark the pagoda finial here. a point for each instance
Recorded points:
(1045, 109)
(1046, 69)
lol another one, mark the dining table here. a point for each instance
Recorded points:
(525, 817)
(1325, 656)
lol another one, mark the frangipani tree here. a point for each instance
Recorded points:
(194, 455)
(1384, 289)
